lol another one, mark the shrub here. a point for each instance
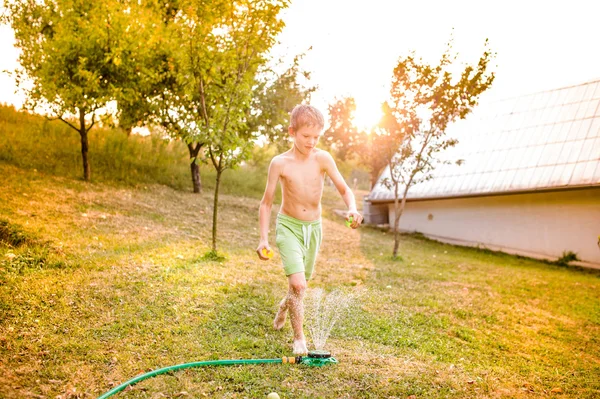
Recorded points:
(566, 258)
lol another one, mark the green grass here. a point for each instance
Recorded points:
(111, 283)
(102, 281)
(51, 147)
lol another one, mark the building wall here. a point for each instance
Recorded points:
(540, 225)
(374, 214)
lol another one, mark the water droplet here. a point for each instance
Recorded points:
(323, 311)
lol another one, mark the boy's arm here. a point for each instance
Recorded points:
(340, 184)
(264, 211)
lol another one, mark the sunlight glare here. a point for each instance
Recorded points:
(367, 114)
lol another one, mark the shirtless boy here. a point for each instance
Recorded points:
(301, 171)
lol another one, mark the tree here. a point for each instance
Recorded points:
(342, 136)
(75, 57)
(136, 107)
(172, 100)
(216, 52)
(373, 145)
(275, 95)
(424, 100)
(252, 27)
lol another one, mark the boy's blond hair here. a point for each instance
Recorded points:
(306, 115)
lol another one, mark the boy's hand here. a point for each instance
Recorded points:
(355, 218)
(264, 251)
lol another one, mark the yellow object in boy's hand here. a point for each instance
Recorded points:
(349, 221)
(267, 253)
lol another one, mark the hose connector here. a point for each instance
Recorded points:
(291, 360)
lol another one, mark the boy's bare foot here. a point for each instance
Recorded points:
(279, 321)
(299, 347)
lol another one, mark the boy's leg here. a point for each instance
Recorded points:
(297, 289)
(294, 303)
(279, 321)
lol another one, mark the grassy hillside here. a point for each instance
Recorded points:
(37, 144)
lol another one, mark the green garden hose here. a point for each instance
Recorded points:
(284, 360)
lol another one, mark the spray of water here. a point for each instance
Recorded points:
(323, 311)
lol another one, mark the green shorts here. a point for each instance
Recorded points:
(298, 242)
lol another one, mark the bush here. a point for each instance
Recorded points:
(566, 258)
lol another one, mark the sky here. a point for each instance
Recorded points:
(539, 45)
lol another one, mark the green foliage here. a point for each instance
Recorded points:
(352, 169)
(134, 161)
(566, 258)
(424, 100)
(262, 155)
(212, 256)
(274, 97)
(216, 51)
(75, 56)
(342, 135)
(12, 235)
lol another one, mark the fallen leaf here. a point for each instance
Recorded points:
(556, 390)
(527, 386)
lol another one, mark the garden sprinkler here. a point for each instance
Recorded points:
(318, 358)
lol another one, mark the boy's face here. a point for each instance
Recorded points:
(306, 138)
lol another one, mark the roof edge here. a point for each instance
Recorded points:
(493, 194)
(532, 93)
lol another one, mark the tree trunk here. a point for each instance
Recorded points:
(196, 177)
(396, 223)
(195, 169)
(374, 176)
(84, 146)
(215, 208)
(398, 209)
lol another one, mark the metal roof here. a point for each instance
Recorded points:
(542, 141)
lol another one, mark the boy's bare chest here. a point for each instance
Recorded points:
(303, 175)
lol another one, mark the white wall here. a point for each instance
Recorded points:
(541, 225)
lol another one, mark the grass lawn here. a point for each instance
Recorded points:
(109, 282)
